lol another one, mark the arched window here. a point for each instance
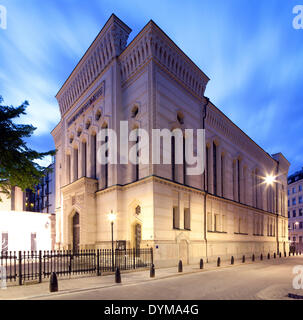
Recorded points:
(173, 158)
(98, 115)
(215, 168)
(138, 210)
(135, 111)
(76, 232)
(180, 117)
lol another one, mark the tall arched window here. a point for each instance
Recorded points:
(239, 180)
(173, 158)
(215, 168)
(137, 160)
(76, 164)
(94, 156)
(184, 163)
(84, 158)
(222, 175)
(207, 169)
(106, 155)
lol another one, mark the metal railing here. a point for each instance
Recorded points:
(25, 266)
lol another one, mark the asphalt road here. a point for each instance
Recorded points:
(266, 280)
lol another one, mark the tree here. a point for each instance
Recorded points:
(17, 160)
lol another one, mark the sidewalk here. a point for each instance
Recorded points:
(87, 282)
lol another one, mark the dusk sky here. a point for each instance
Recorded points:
(248, 48)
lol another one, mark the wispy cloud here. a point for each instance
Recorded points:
(248, 49)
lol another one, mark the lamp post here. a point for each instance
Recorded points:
(270, 180)
(112, 218)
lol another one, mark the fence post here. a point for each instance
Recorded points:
(134, 258)
(40, 266)
(152, 256)
(98, 263)
(20, 268)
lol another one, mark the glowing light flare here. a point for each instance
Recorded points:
(270, 179)
(111, 216)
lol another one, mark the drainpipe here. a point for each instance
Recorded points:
(205, 192)
(277, 208)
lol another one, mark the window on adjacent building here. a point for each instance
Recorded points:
(294, 213)
(300, 199)
(301, 225)
(300, 188)
(300, 212)
(186, 219)
(288, 192)
(294, 202)
(294, 190)
(288, 214)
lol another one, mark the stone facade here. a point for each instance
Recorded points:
(152, 84)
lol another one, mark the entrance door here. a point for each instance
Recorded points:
(76, 232)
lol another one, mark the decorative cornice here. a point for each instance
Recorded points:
(109, 43)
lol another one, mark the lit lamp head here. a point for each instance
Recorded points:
(112, 217)
(296, 223)
(270, 179)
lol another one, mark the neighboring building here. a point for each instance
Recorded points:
(21, 230)
(295, 208)
(151, 83)
(42, 199)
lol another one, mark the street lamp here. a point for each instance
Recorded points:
(112, 218)
(270, 180)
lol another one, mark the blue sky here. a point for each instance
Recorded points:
(248, 48)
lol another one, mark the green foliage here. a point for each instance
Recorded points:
(17, 160)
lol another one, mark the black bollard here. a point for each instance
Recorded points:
(180, 266)
(285, 254)
(275, 256)
(117, 275)
(300, 252)
(289, 253)
(253, 258)
(280, 254)
(243, 259)
(293, 253)
(201, 264)
(53, 283)
(152, 271)
(268, 256)
(261, 257)
(218, 262)
(232, 261)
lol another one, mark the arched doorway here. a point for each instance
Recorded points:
(76, 232)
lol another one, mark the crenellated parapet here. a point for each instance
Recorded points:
(110, 42)
(153, 43)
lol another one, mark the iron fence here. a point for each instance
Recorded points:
(25, 266)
